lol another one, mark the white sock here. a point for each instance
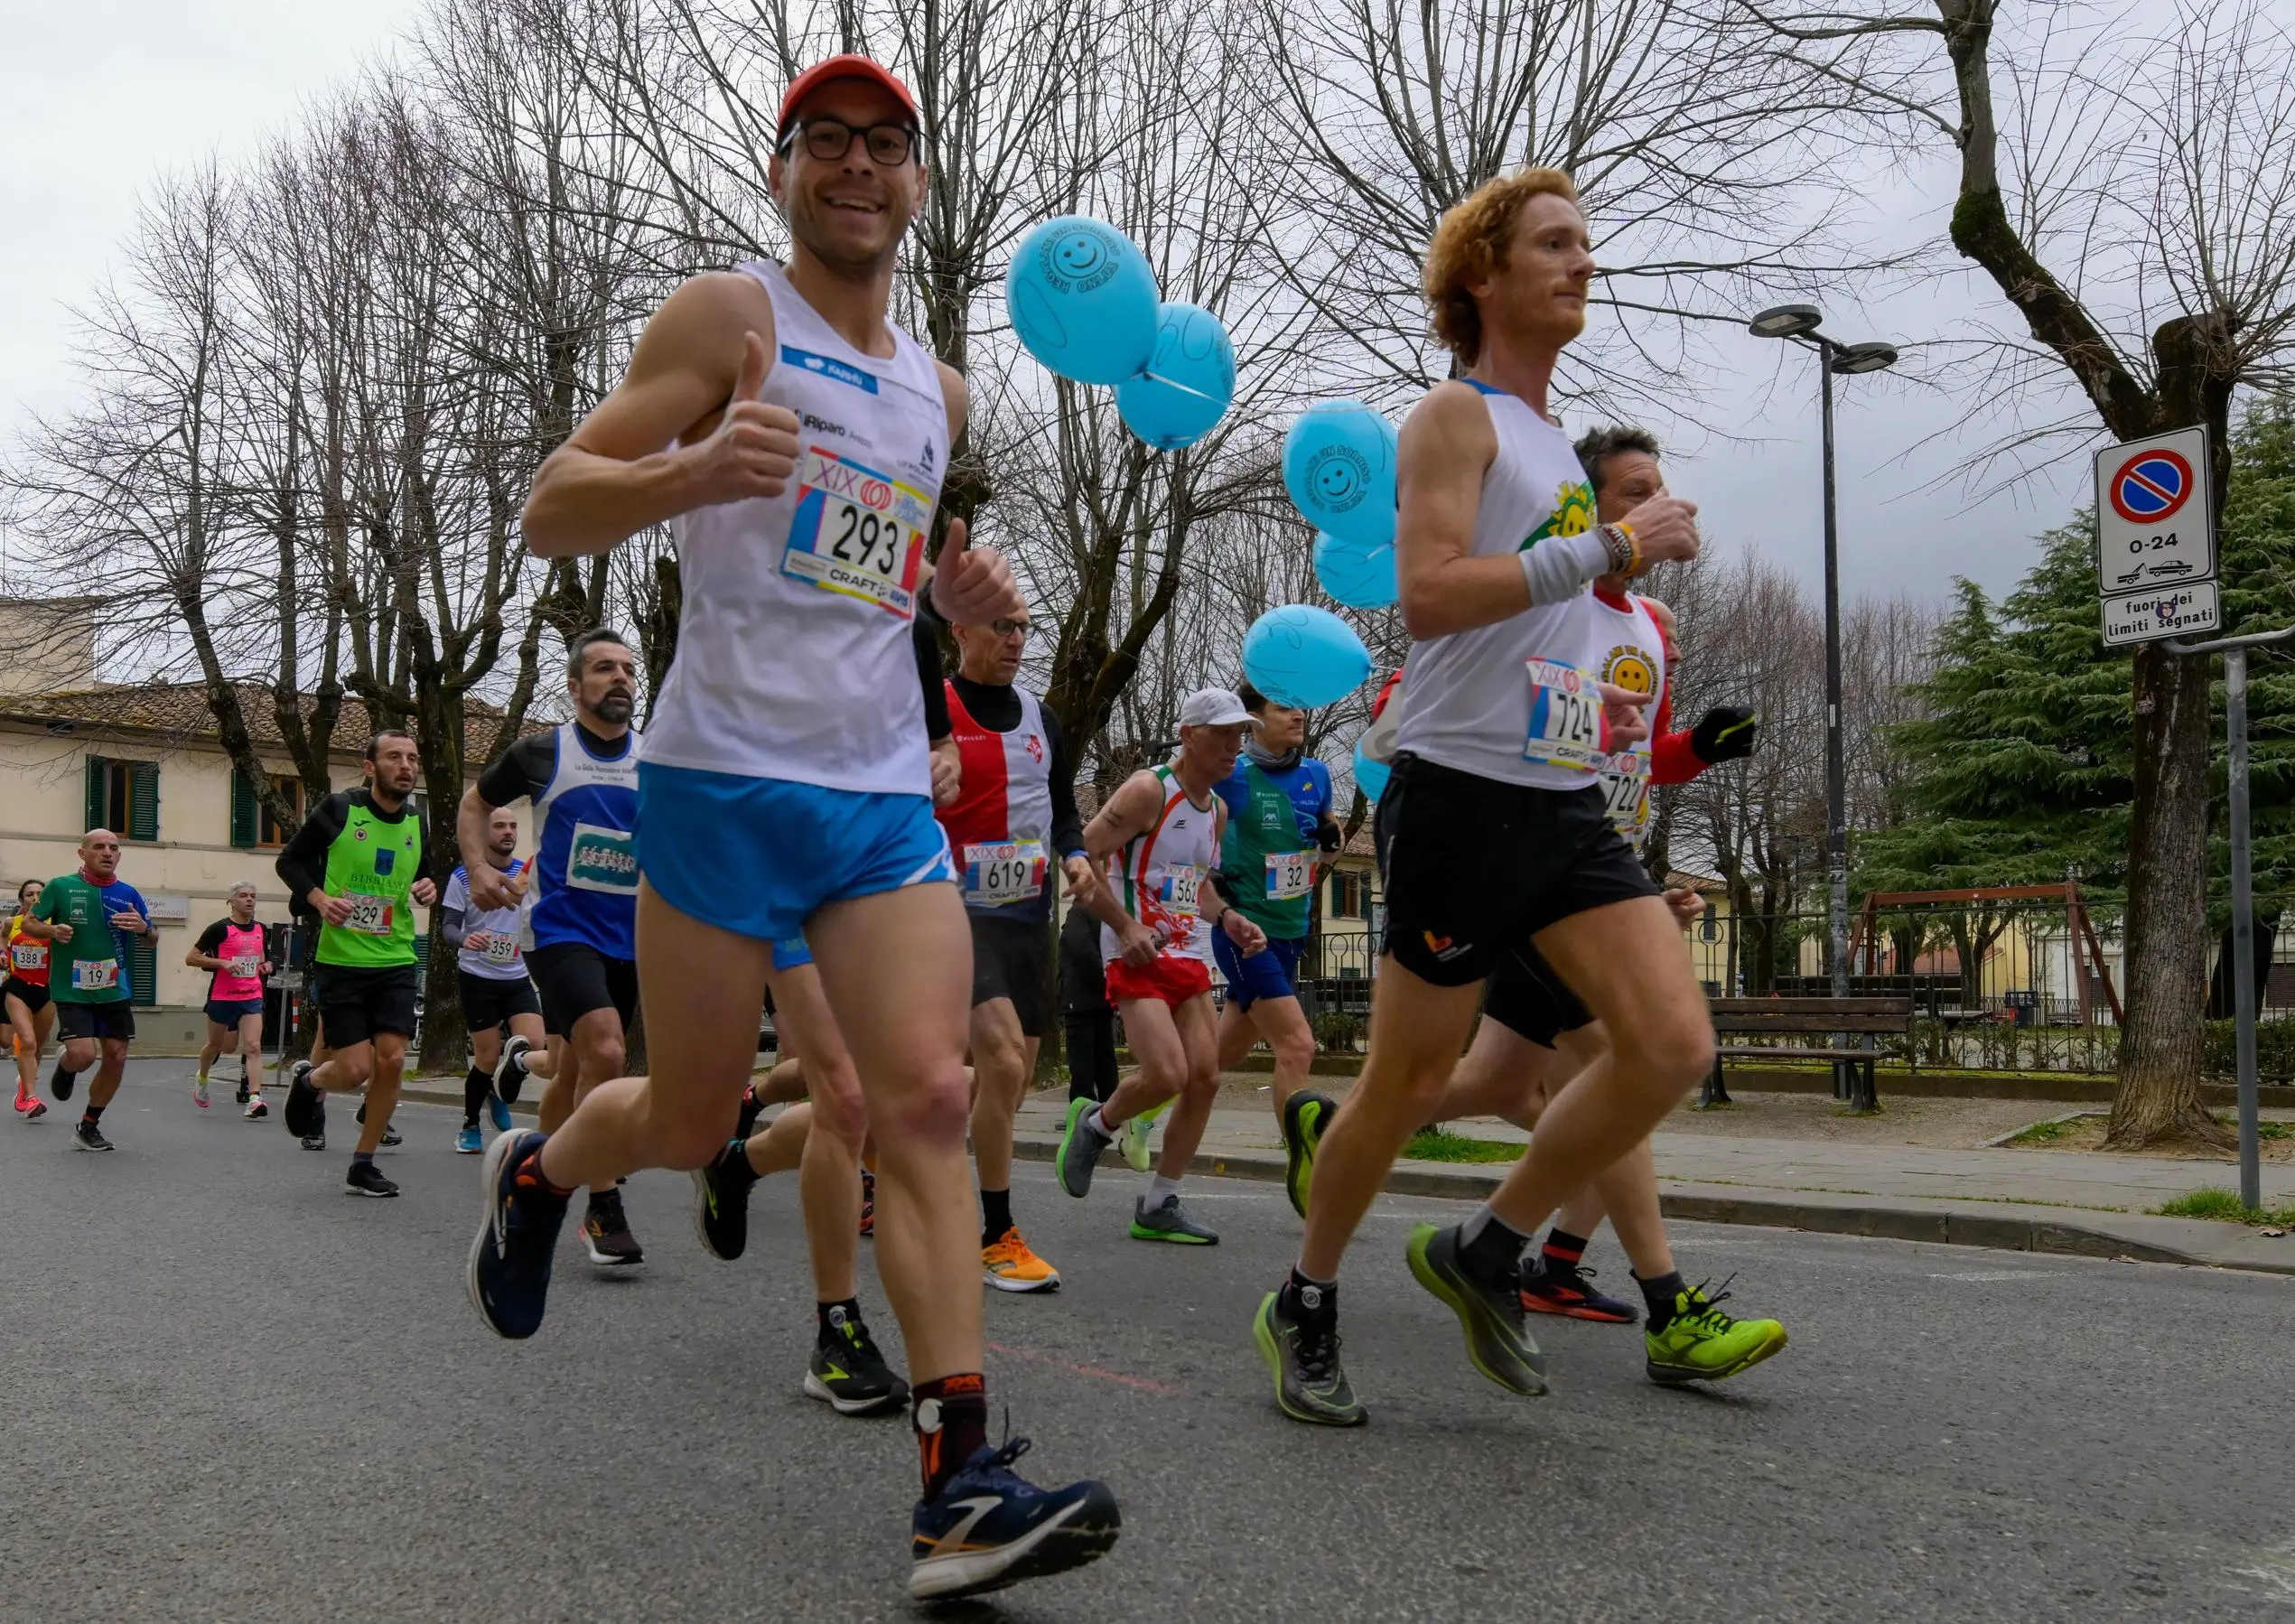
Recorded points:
(1159, 1189)
(1097, 1122)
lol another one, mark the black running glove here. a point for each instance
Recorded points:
(1724, 733)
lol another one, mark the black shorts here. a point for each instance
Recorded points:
(1476, 867)
(356, 1003)
(35, 998)
(1009, 961)
(575, 978)
(1525, 995)
(116, 1020)
(489, 1003)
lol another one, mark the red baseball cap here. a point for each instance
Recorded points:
(841, 67)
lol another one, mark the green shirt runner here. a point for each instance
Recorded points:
(92, 967)
(1267, 860)
(350, 847)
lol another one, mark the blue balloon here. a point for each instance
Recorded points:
(1339, 465)
(1082, 300)
(1189, 382)
(1359, 577)
(1305, 657)
(1370, 776)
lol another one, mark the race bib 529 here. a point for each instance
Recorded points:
(857, 532)
(369, 916)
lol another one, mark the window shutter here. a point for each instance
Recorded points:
(244, 807)
(143, 800)
(143, 971)
(96, 776)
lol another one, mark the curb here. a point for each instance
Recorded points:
(1936, 1222)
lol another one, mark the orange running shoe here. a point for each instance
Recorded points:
(1009, 1266)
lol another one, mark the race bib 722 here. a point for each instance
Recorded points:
(1624, 794)
(856, 532)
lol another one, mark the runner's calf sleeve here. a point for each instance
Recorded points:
(476, 1087)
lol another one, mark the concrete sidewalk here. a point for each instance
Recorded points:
(2074, 1202)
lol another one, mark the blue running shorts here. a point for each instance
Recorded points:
(1269, 973)
(761, 856)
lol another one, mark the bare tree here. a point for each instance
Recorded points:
(2138, 212)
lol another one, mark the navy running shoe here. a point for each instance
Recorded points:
(509, 1267)
(305, 1116)
(989, 1527)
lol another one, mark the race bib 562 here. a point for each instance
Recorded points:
(857, 532)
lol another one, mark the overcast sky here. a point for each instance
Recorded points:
(102, 95)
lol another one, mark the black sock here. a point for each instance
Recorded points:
(1659, 1294)
(1490, 1248)
(476, 1087)
(1562, 1249)
(995, 1215)
(733, 1162)
(92, 1115)
(363, 1158)
(1305, 1298)
(829, 1318)
(950, 1417)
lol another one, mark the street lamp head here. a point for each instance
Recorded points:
(1864, 357)
(1786, 321)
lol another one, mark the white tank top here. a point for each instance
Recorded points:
(1467, 698)
(1159, 874)
(794, 658)
(1625, 647)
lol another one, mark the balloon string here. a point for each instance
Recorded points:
(1173, 383)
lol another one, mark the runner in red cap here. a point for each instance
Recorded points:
(795, 440)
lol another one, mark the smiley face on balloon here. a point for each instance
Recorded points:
(1081, 257)
(1339, 476)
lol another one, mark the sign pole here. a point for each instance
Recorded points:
(2242, 896)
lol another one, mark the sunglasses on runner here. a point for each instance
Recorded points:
(828, 140)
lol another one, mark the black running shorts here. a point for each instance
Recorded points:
(489, 1003)
(115, 1020)
(1008, 960)
(356, 1003)
(575, 979)
(35, 998)
(1524, 995)
(1476, 867)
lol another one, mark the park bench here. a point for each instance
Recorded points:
(1828, 1022)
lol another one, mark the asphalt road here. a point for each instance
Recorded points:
(234, 1393)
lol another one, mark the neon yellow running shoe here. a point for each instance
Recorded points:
(1132, 1142)
(1700, 1343)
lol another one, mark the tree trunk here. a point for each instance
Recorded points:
(2158, 1099)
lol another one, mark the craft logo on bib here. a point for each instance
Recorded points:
(1572, 515)
(598, 859)
(857, 532)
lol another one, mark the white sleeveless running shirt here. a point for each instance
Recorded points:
(1467, 698)
(794, 658)
(1159, 875)
(1625, 647)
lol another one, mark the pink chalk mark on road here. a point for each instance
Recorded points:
(1141, 1383)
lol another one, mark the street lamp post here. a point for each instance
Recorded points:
(1799, 323)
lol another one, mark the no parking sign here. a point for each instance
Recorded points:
(2155, 531)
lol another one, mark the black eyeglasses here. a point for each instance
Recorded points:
(1019, 629)
(828, 140)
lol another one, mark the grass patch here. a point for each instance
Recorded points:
(1439, 1145)
(2223, 1206)
(2263, 1130)
(2046, 1133)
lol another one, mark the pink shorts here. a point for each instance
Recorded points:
(1168, 980)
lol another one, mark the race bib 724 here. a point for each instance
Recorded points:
(857, 532)
(1565, 717)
